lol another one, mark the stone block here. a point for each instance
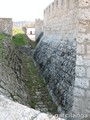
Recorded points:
(88, 93)
(88, 49)
(84, 13)
(83, 38)
(80, 71)
(87, 63)
(82, 82)
(84, 3)
(88, 72)
(79, 60)
(86, 57)
(80, 49)
(79, 92)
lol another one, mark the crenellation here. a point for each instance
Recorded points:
(60, 8)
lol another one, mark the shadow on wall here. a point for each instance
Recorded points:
(39, 37)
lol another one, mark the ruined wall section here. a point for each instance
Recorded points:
(6, 25)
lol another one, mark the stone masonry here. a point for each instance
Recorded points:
(10, 110)
(63, 55)
(6, 25)
(82, 79)
(38, 28)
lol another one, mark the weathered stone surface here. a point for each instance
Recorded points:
(66, 22)
(56, 61)
(79, 92)
(6, 25)
(80, 71)
(12, 80)
(82, 82)
(14, 111)
(38, 29)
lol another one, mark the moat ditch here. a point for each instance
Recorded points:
(20, 79)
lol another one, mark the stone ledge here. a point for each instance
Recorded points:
(14, 111)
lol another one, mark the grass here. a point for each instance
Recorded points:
(35, 83)
(17, 31)
(4, 36)
(19, 38)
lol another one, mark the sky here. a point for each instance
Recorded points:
(23, 10)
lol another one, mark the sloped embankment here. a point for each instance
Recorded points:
(20, 80)
(12, 80)
(39, 96)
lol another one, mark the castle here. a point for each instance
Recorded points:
(63, 54)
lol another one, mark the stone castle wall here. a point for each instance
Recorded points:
(61, 18)
(63, 54)
(38, 28)
(6, 25)
(56, 52)
(82, 78)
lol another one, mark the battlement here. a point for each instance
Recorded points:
(59, 8)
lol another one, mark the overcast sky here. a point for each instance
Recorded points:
(23, 9)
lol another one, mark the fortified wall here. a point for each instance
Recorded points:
(6, 25)
(63, 55)
(38, 29)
